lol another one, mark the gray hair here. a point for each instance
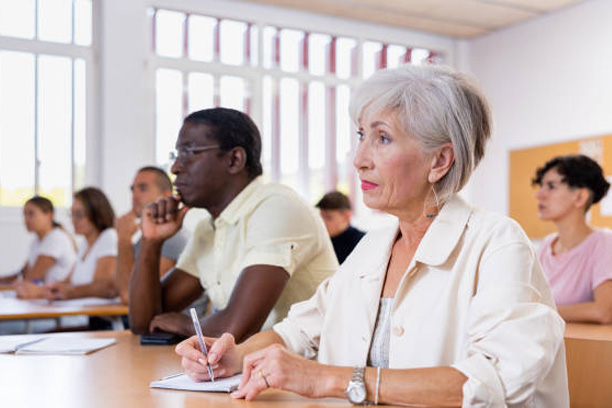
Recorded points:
(436, 105)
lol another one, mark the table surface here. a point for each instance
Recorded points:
(17, 309)
(118, 376)
(585, 331)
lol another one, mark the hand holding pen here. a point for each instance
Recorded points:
(198, 330)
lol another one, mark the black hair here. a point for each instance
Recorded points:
(97, 207)
(578, 171)
(162, 180)
(334, 200)
(46, 206)
(232, 128)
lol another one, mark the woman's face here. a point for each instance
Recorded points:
(556, 199)
(82, 225)
(392, 168)
(35, 219)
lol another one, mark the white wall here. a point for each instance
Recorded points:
(548, 80)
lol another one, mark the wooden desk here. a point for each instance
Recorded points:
(118, 376)
(17, 309)
(589, 365)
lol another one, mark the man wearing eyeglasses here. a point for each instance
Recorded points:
(261, 249)
(150, 184)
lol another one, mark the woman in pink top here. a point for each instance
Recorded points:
(578, 258)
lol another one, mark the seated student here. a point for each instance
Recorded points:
(52, 253)
(335, 209)
(578, 258)
(94, 271)
(261, 249)
(446, 307)
(150, 184)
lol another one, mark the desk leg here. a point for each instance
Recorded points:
(117, 322)
(28, 326)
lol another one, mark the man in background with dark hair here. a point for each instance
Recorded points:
(336, 212)
(149, 185)
(260, 249)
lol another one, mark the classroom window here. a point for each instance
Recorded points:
(43, 103)
(297, 88)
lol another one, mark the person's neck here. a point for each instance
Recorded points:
(572, 231)
(92, 237)
(414, 229)
(231, 192)
(341, 230)
(43, 233)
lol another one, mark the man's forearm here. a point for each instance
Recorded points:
(104, 288)
(145, 294)
(125, 265)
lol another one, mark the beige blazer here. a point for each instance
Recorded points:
(474, 297)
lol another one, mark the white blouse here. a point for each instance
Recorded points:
(473, 297)
(57, 245)
(85, 268)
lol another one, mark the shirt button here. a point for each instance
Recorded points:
(398, 331)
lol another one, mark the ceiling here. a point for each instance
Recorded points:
(453, 18)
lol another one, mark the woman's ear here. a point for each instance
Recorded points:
(582, 198)
(441, 162)
(237, 160)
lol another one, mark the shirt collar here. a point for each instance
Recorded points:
(444, 233)
(237, 207)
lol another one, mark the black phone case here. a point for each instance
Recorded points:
(159, 339)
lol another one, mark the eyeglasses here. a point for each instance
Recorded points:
(78, 215)
(185, 153)
(550, 185)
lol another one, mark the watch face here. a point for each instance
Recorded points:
(356, 393)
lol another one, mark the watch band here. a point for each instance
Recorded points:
(358, 375)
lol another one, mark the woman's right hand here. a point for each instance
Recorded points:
(223, 357)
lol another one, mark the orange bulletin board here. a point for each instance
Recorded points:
(523, 165)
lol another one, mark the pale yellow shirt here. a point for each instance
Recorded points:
(474, 297)
(266, 224)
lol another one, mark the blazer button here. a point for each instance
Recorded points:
(398, 331)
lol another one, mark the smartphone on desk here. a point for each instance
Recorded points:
(160, 338)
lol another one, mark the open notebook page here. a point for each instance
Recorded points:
(183, 382)
(65, 345)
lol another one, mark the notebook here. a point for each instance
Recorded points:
(183, 382)
(65, 345)
(10, 344)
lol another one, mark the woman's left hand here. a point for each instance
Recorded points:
(277, 367)
(29, 290)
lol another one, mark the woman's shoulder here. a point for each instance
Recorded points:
(495, 224)
(108, 237)
(58, 234)
(603, 236)
(58, 238)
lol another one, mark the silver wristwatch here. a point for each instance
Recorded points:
(356, 390)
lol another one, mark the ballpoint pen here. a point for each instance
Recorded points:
(198, 329)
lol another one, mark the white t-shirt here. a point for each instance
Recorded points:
(58, 245)
(105, 245)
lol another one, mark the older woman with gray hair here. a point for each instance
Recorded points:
(447, 307)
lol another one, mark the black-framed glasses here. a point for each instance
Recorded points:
(550, 185)
(185, 153)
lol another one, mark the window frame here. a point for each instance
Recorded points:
(265, 15)
(37, 48)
